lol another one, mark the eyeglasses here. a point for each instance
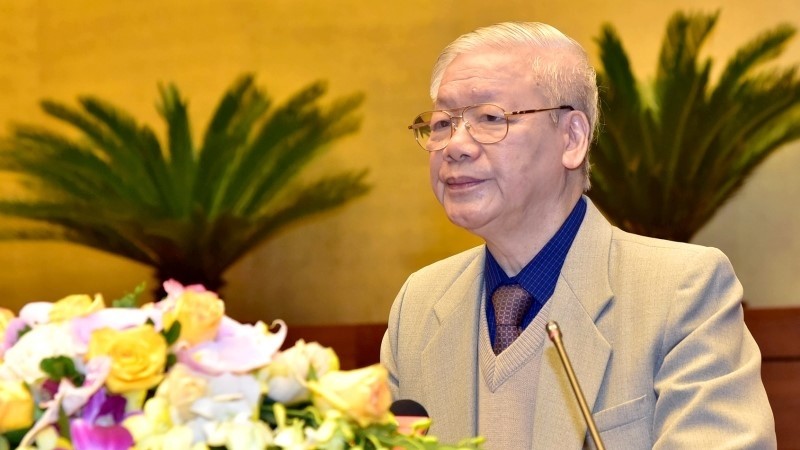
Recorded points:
(485, 122)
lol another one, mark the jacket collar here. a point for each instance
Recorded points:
(582, 293)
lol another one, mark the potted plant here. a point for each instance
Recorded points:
(672, 151)
(187, 209)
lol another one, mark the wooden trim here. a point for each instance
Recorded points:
(356, 345)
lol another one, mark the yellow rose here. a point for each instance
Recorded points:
(138, 357)
(199, 314)
(362, 394)
(16, 406)
(75, 306)
(5, 317)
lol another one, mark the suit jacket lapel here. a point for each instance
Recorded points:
(450, 358)
(581, 295)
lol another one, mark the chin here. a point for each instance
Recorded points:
(468, 221)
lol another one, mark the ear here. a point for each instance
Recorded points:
(576, 138)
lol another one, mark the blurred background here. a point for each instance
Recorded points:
(347, 265)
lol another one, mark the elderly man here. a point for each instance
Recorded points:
(654, 328)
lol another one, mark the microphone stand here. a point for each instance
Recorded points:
(554, 332)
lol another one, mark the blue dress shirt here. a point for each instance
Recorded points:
(540, 275)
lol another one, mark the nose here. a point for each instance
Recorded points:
(462, 145)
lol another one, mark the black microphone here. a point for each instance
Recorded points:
(408, 412)
(555, 335)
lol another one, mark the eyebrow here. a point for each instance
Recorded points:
(477, 97)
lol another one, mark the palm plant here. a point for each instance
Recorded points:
(673, 151)
(187, 211)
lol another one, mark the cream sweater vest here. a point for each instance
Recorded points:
(507, 385)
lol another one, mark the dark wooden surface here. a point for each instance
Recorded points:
(356, 345)
(777, 331)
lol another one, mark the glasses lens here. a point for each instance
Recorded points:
(432, 130)
(487, 123)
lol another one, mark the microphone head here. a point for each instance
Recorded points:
(553, 331)
(406, 407)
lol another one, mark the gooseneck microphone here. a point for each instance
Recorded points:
(555, 335)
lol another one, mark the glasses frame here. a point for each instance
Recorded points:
(414, 127)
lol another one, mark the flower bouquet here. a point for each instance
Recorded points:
(179, 374)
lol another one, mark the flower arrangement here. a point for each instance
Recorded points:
(180, 374)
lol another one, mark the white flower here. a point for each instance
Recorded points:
(228, 396)
(291, 437)
(286, 376)
(44, 341)
(239, 434)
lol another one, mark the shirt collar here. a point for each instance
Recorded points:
(540, 275)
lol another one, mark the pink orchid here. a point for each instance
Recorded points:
(174, 288)
(115, 318)
(238, 348)
(100, 425)
(11, 336)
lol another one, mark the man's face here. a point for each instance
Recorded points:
(500, 188)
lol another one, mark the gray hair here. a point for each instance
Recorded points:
(566, 74)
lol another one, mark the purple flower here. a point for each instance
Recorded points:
(99, 427)
(89, 436)
(104, 408)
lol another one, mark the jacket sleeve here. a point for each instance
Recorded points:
(389, 345)
(708, 382)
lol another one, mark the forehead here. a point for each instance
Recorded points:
(488, 75)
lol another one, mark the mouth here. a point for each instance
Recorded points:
(458, 183)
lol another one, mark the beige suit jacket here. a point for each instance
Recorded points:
(654, 330)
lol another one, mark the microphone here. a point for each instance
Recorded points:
(408, 413)
(555, 335)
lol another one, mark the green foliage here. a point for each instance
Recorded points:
(674, 150)
(58, 367)
(347, 434)
(130, 299)
(188, 209)
(172, 334)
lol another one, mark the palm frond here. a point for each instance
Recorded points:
(188, 212)
(325, 194)
(664, 167)
(242, 107)
(181, 149)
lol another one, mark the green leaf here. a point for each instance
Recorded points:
(60, 367)
(173, 333)
(24, 330)
(131, 299)
(171, 360)
(63, 424)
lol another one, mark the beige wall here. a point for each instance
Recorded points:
(351, 263)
